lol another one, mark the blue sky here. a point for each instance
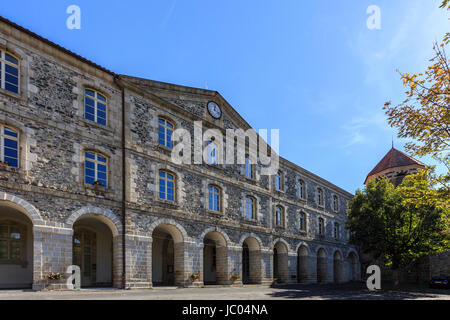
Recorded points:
(310, 68)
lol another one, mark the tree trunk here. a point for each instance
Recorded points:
(395, 278)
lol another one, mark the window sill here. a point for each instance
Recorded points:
(163, 148)
(303, 232)
(97, 189)
(9, 169)
(17, 96)
(93, 124)
(217, 213)
(171, 204)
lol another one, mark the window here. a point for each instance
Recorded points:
(95, 169)
(279, 216)
(250, 208)
(9, 72)
(302, 221)
(248, 168)
(165, 131)
(95, 106)
(320, 196)
(278, 181)
(166, 186)
(301, 189)
(213, 198)
(212, 153)
(11, 239)
(336, 231)
(335, 203)
(321, 227)
(9, 146)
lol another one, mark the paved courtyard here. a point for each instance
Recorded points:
(287, 292)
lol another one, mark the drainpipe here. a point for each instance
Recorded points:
(117, 82)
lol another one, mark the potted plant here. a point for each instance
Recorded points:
(98, 184)
(195, 276)
(4, 163)
(235, 276)
(54, 276)
(275, 281)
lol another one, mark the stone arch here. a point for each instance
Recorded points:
(338, 266)
(23, 206)
(303, 244)
(250, 235)
(251, 260)
(280, 260)
(218, 230)
(23, 218)
(303, 257)
(181, 237)
(167, 252)
(322, 265)
(106, 236)
(103, 214)
(215, 256)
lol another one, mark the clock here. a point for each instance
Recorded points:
(214, 110)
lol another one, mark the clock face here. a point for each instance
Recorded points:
(214, 110)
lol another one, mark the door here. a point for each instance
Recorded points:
(84, 243)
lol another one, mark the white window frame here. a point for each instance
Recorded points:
(3, 136)
(3, 63)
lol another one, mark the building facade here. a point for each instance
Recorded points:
(86, 179)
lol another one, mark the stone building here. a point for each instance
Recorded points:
(396, 165)
(87, 179)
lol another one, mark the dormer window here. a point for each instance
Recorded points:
(9, 72)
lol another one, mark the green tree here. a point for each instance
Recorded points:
(398, 225)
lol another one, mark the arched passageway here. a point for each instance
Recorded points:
(321, 266)
(94, 251)
(280, 262)
(215, 259)
(16, 248)
(302, 264)
(251, 261)
(167, 256)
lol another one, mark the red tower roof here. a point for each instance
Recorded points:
(394, 158)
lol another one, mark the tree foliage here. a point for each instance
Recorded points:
(399, 225)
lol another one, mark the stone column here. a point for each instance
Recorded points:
(138, 261)
(179, 266)
(292, 267)
(193, 262)
(256, 266)
(235, 265)
(222, 273)
(267, 266)
(52, 249)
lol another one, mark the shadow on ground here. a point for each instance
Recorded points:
(356, 291)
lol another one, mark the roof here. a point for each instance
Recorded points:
(54, 45)
(393, 159)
